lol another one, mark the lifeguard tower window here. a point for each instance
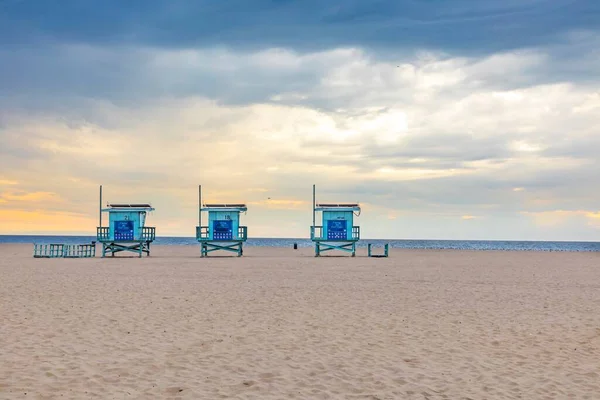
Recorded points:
(222, 229)
(123, 230)
(336, 230)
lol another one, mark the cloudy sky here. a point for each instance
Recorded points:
(445, 119)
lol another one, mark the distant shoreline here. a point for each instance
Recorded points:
(478, 245)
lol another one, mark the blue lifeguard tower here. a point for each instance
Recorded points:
(337, 230)
(126, 230)
(223, 231)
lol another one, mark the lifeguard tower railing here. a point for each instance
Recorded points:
(317, 233)
(148, 233)
(203, 233)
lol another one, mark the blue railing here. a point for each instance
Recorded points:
(103, 234)
(317, 233)
(148, 234)
(203, 234)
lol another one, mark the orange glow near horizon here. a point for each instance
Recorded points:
(27, 221)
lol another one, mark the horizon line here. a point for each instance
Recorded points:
(308, 238)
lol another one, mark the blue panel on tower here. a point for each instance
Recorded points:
(336, 229)
(222, 229)
(123, 230)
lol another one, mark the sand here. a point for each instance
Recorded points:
(281, 324)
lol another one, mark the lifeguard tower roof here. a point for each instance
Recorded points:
(120, 205)
(129, 207)
(337, 206)
(225, 207)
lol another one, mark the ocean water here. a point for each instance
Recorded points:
(402, 244)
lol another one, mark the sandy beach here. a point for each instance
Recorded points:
(281, 324)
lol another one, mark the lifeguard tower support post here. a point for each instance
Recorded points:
(223, 231)
(337, 230)
(125, 230)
